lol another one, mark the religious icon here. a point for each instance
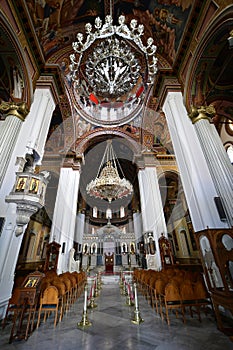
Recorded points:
(132, 248)
(124, 248)
(31, 282)
(21, 184)
(34, 186)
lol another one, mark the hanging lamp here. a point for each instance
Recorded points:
(108, 185)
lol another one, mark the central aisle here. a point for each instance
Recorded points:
(112, 328)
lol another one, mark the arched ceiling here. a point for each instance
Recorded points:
(57, 22)
(52, 26)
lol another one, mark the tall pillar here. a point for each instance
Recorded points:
(153, 219)
(17, 133)
(65, 211)
(43, 107)
(79, 230)
(196, 179)
(15, 115)
(215, 154)
(137, 224)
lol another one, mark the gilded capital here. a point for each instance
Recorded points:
(18, 109)
(203, 112)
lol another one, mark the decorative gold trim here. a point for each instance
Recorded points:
(203, 112)
(18, 109)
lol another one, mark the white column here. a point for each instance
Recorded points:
(65, 211)
(9, 250)
(217, 159)
(42, 108)
(79, 230)
(137, 224)
(151, 208)
(9, 243)
(194, 172)
(10, 128)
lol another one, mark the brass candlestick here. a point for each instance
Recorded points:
(137, 318)
(129, 301)
(92, 304)
(84, 321)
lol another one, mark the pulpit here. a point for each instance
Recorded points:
(109, 263)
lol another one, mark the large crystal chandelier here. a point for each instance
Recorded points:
(108, 185)
(112, 61)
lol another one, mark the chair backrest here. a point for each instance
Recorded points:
(186, 291)
(172, 292)
(200, 290)
(67, 283)
(61, 287)
(50, 296)
(44, 284)
(160, 286)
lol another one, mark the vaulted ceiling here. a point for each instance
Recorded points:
(51, 26)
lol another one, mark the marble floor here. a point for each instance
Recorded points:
(112, 328)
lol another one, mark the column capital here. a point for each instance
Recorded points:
(18, 109)
(202, 112)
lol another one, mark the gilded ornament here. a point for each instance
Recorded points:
(18, 109)
(202, 112)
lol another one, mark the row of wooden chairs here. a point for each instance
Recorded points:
(174, 290)
(57, 293)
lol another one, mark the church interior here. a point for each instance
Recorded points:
(116, 153)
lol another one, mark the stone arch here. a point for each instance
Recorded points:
(84, 143)
(172, 194)
(92, 147)
(197, 74)
(20, 61)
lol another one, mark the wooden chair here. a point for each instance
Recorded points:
(202, 297)
(49, 302)
(159, 289)
(188, 298)
(13, 306)
(151, 291)
(172, 301)
(61, 287)
(68, 285)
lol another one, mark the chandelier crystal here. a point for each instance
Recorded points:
(112, 68)
(108, 185)
(112, 60)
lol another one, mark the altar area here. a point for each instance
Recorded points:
(109, 249)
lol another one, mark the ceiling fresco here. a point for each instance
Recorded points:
(54, 25)
(57, 22)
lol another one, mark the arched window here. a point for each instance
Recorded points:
(108, 213)
(122, 211)
(230, 153)
(95, 212)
